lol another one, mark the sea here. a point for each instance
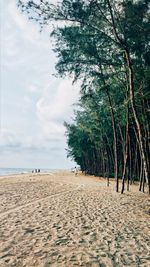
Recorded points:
(9, 171)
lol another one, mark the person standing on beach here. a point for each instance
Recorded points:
(75, 171)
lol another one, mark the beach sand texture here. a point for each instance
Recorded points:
(65, 220)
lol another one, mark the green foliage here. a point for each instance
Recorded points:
(90, 47)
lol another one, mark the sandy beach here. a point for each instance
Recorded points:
(60, 219)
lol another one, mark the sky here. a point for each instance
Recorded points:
(33, 103)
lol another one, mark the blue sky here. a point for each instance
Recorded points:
(33, 103)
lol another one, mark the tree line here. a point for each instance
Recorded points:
(106, 46)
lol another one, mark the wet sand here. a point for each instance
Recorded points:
(65, 220)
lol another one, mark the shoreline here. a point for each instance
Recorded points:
(4, 172)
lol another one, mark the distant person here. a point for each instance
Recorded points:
(75, 171)
(38, 170)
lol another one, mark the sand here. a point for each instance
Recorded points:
(65, 220)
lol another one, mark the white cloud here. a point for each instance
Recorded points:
(8, 138)
(33, 88)
(32, 113)
(27, 100)
(12, 140)
(28, 29)
(58, 105)
(54, 109)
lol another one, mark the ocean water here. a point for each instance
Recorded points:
(9, 171)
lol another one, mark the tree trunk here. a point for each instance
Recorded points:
(115, 141)
(131, 90)
(126, 152)
(132, 100)
(128, 179)
(141, 175)
(114, 133)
